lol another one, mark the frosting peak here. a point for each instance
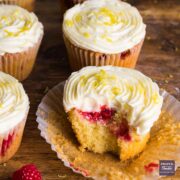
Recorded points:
(125, 90)
(19, 29)
(107, 26)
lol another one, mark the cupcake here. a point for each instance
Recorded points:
(112, 109)
(106, 32)
(27, 4)
(20, 37)
(14, 107)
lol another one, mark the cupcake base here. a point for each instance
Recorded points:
(27, 4)
(21, 64)
(10, 142)
(79, 57)
(98, 138)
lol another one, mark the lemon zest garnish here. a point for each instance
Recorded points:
(116, 91)
(78, 18)
(124, 21)
(69, 23)
(83, 80)
(26, 27)
(155, 98)
(95, 84)
(8, 33)
(140, 89)
(3, 18)
(86, 35)
(130, 87)
(104, 36)
(109, 40)
(16, 13)
(107, 12)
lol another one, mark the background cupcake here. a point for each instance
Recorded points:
(14, 107)
(106, 32)
(27, 4)
(20, 37)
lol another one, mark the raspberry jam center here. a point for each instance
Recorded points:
(121, 130)
(103, 116)
(6, 144)
(151, 167)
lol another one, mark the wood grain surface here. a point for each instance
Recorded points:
(159, 59)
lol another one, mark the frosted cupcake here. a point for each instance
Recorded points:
(106, 32)
(20, 37)
(14, 107)
(112, 109)
(27, 4)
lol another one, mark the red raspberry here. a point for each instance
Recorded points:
(27, 172)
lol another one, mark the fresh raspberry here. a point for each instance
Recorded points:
(27, 172)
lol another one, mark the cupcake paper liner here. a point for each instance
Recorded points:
(20, 64)
(27, 4)
(10, 141)
(164, 143)
(79, 57)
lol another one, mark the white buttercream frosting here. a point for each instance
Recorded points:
(19, 29)
(14, 103)
(125, 90)
(106, 26)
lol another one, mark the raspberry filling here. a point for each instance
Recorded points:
(121, 130)
(6, 144)
(104, 116)
(151, 167)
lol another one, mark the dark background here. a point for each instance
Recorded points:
(159, 59)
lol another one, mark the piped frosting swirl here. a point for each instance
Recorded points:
(125, 90)
(19, 29)
(14, 102)
(107, 26)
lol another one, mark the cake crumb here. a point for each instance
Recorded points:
(176, 49)
(4, 164)
(166, 81)
(177, 89)
(62, 176)
(46, 90)
(148, 38)
(170, 76)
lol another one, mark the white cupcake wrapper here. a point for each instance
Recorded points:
(47, 105)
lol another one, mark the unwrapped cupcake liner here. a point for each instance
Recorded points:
(10, 141)
(56, 130)
(20, 64)
(27, 4)
(79, 57)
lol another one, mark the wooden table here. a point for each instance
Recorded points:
(159, 59)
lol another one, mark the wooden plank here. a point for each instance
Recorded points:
(160, 59)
